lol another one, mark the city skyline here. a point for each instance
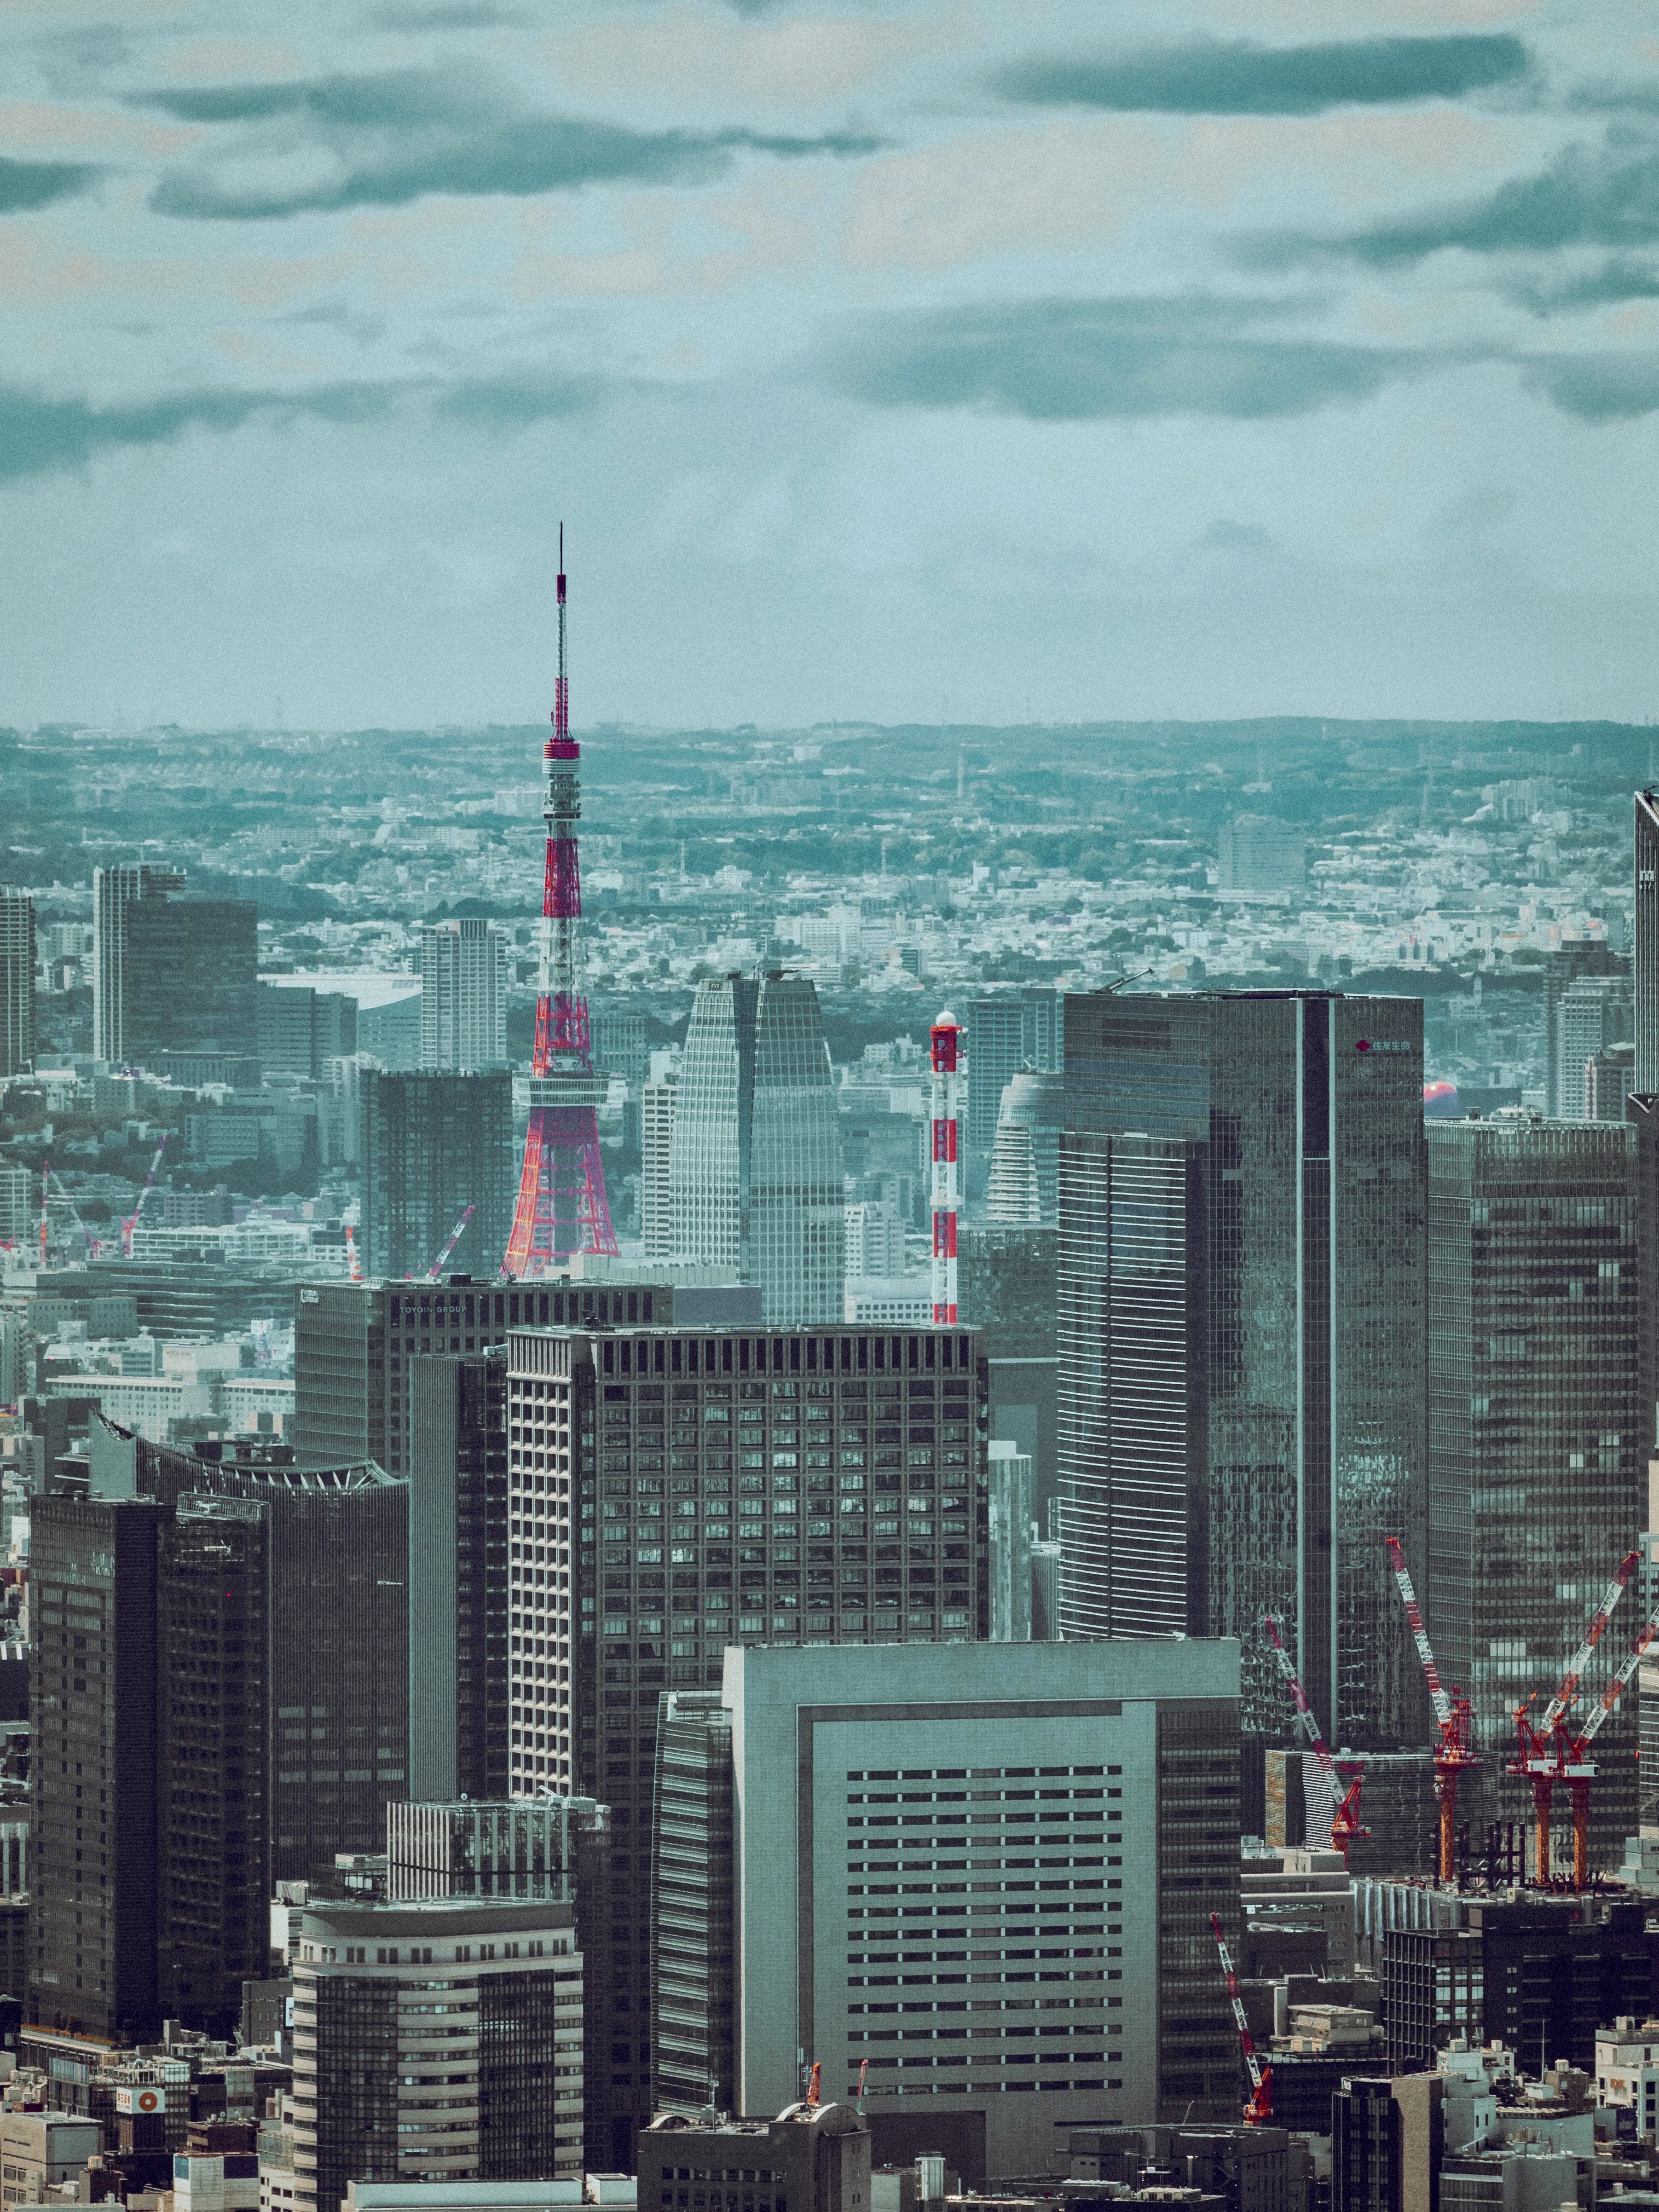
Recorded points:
(1243, 363)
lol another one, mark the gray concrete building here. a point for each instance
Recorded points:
(983, 1870)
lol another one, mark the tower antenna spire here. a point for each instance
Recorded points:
(563, 1209)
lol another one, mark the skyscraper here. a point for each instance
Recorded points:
(997, 1040)
(432, 1145)
(464, 994)
(755, 1167)
(115, 893)
(855, 1462)
(1578, 957)
(1645, 961)
(1591, 1014)
(656, 1168)
(457, 1545)
(1025, 1155)
(16, 982)
(1242, 1356)
(1538, 1440)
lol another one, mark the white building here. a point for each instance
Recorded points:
(875, 1238)
(464, 994)
(961, 1862)
(656, 1158)
(456, 2025)
(1627, 2068)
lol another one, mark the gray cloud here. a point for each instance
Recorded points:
(465, 15)
(1605, 195)
(1239, 77)
(1609, 387)
(1614, 278)
(27, 185)
(40, 436)
(400, 134)
(1073, 360)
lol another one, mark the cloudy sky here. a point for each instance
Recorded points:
(892, 358)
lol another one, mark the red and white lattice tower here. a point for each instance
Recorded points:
(946, 1040)
(562, 1208)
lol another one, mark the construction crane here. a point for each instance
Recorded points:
(92, 1242)
(131, 1221)
(1576, 1764)
(1345, 1803)
(1454, 1717)
(434, 1272)
(1260, 2110)
(1543, 1748)
(354, 1265)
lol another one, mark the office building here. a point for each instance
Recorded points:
(1538, 1974)
(355, 1343)
(621, 1044)
(856, 1464)
(302, 1031)
(16, 982)
(1538, 1443)
(656, 1169)
(1593, 1015)
(887, 1808)
(1260, 855)
(692, 1925)
(182, 973)
(95, 1771)
(1242, 1356)
(1388, 2139)
(500, 2097)
(214, 1591)
(464, 994)
(1024, 1187)
(338, 1604)
(431, 1145)
(458, 1544)
(1609, 1077)
(1010, 1492)
(815, 2158)
(755, 1163)
(875, 1241)
(1645, 964)
(996, 1043)
(20, 1203)
(115, 893)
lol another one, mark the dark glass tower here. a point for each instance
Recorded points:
(671, 1491)
(1538, 1447)
(1646, 960)
(1241, 1335)
(432, 1144)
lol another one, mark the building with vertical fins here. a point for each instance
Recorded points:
(1242, 1376)
(115, 893)
(1646, 947)
(754, 1165)
(656, 1159)
(562, 1208)
(16, 982)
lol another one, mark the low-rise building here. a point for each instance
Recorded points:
(812, 2158)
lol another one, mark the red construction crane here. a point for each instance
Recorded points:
(1576, 1765)
(1260, 2110)
(131, 1221)
(1542, 1748)
(354, 1265)
(435, 1270)
(1345, 1804)
(1454, 1717)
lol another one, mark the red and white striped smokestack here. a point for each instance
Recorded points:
(946, 1041)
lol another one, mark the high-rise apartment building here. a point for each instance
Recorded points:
(385, 2092)
(1025, 1154)
(464, 994)
(656, 1169)
(16, 982)
(1645, 956)
(981, 1870)
(756, 1163)
(115, 894)
(1593, 1014)
(1243, 1349)
(431, 1145)
(458, 1575)
(671, 1491)
(1537, 1439)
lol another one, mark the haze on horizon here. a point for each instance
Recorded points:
(887, 360)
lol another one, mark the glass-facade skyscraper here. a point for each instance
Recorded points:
(1241, 1336)
(755, 1166)
(1537, 1483)
(1645, 962)
(16, 982)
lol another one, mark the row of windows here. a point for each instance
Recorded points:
(623, 1394)
(970, 1774)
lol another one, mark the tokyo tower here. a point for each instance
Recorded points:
(562, 1208)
